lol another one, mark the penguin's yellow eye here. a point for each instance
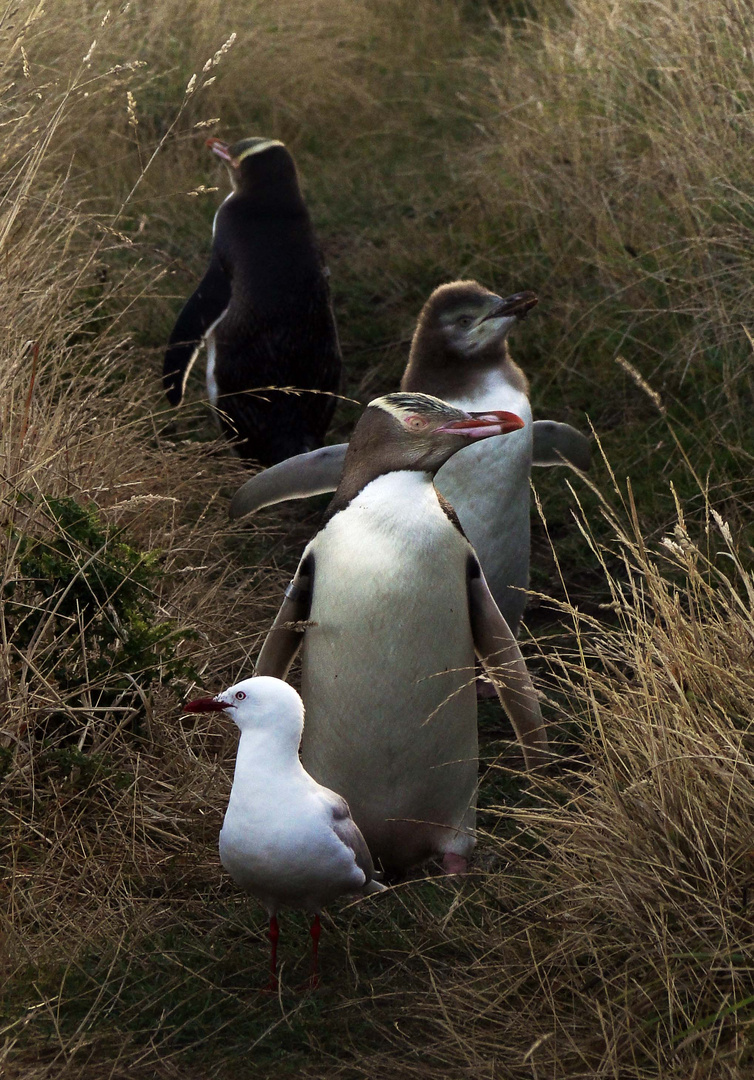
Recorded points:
(415, 423)
(240, 695)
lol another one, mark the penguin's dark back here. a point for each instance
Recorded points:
(279, 328)
(269, 256)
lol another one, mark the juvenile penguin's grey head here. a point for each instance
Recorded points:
(255, 161)
(416, 432)
(259, 704)
(465, 318)
(460, 334)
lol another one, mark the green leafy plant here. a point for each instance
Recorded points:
(81, 610)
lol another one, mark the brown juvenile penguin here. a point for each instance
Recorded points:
(460, 353)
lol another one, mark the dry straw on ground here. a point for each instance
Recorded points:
(599, 155)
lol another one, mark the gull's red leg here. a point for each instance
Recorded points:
(274, 935)
(315, 930)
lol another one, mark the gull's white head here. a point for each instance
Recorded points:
(258, 704)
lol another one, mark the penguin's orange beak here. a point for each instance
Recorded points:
(484, 425)
(205, 704)
(217, 146)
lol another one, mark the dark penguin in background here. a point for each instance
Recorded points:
(263, 309)
(390, 607)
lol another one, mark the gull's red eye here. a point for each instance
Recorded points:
(415, 423)
(240, 695)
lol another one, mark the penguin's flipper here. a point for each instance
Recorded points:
(560, 444)
(314, 473)
(286, 634)
(203, 308)
(504, 665)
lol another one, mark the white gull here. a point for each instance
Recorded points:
(285, 839)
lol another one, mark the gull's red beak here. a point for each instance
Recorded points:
(484, 425)
(205, 704)
(217, 146)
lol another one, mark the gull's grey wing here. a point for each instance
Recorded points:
(560, 444)
(504, 665)
(348, 832)
(306, 474)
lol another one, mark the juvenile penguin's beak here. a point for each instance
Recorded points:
(217, 146)
(484, 425)
(205, 704)
(515, 306)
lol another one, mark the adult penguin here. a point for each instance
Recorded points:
(460, 353)
(263, 309)
(391, 607)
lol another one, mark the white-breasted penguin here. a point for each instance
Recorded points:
(459, 353)
(391, 607)
(263, 309)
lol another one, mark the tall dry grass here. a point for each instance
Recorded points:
(617, 163)
(608, 931)
(597, 155)
(117, 570)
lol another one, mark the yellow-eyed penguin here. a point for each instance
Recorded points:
(285, 839)
(391, 607)
(263, 309)
(459, 353)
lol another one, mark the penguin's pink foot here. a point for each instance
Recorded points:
(454, 864)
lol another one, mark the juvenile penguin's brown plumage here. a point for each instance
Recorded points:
(459, 340)
(460, 352)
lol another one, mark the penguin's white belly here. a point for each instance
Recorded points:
(209, 340)
(388, 671)
(487, 483)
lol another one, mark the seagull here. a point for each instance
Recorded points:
(285, 839)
